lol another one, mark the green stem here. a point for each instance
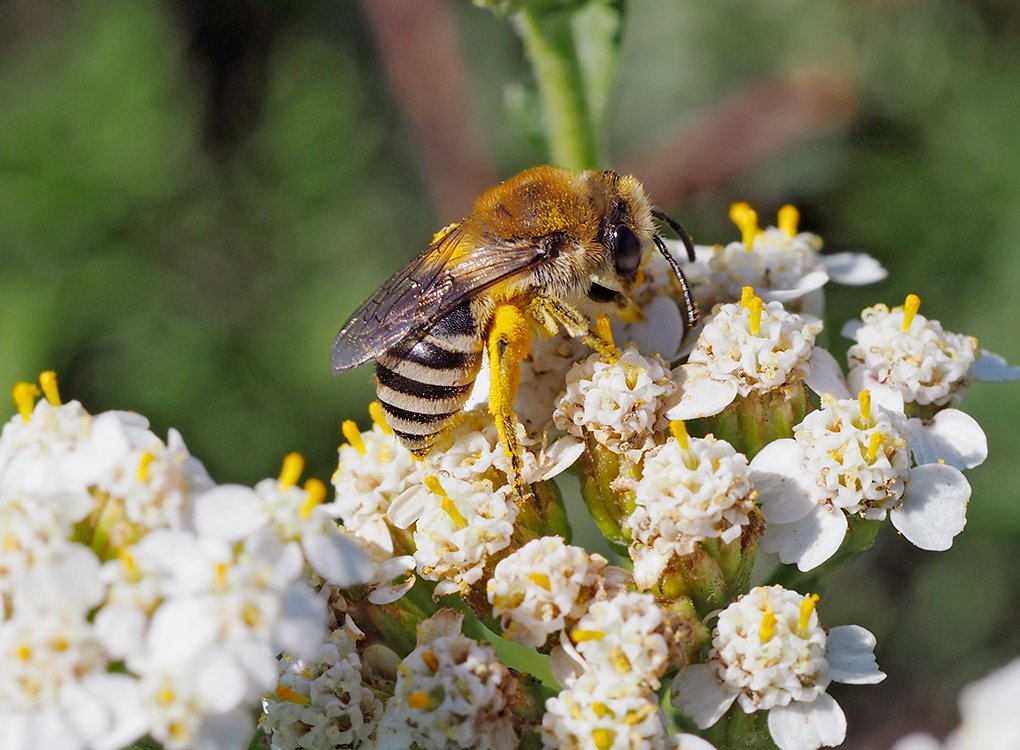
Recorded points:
(549, 43)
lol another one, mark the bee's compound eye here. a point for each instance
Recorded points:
(626, 250)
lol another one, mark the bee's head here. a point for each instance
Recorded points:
(626, 230)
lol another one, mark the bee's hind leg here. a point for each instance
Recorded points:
(509, 343)
(550, 312)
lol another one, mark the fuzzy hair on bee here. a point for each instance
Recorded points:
(547, 248)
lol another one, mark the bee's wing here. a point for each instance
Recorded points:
(444, 276)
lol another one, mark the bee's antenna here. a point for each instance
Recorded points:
(685, 238)
(689, 303)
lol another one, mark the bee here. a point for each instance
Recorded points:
(547, 248)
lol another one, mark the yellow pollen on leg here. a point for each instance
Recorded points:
(789, 219)
(541, 580)
(144, 464)
(48, 381)
(290, 473)
(353, 435)
(768, 625)
(679, 430)
(25, 395)
(420, 700)
(375, 411)
(806, 608)
(910, 307)
(874, 445)
(864, 397)
(603, 738)
(746, 219)
(605, 331)
(284, 693)
(315, 492)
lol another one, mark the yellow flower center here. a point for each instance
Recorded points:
(353, 435)
(375, 411)
(910, 307)
(316, 493)
(293, 465)
(144, 464)
(679, 430)
(768, 624)
(25, 395)
(789, 219)
(806, 608)
(746, 219)
(48, 381)
(603, 738)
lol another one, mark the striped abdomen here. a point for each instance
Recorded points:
(424, 385)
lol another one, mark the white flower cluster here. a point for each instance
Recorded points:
(545, 586)
(769, 653)
(905, 358)
(451, 692)
(621, 404)
(852, 457)
(325, 702)
(687, 493)
(138, 597)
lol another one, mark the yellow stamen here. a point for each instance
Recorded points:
(316, 492)
(603, 738)
(806, 608)
(431, 661)
(449, 507)
(420, 700)
(874, 444)
(600, 709)
(540, 579)
(679, 430)
(755, 322)
(789, 219)
(143, 466)
(293, 465)
(25, 395)
(353, 435)
(910, 307)
(24, 652)
(165, 695)
(284, 693)
(768, 624)
(620, 661)
(746, 295)
(60, 643)
(131, 571)
(577, 635)
(746, 219)
(375, 411)
(221, 576)
(636, 717)
(48, 381)
(864, 397)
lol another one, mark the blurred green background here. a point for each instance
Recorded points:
(195, 194)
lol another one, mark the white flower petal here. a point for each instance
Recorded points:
(850, 650)
(408, 506)
(810, 541)
(934, 507)
(826, 376)
(688, 742)
(559, 457)
(993, 368)
(227, 731)
(807, 283)
(917, 741)
(229, 512)
(698, 692)
(807, 726)
(121, 696)
(854, 269)
(121, 629)
(336, 558)
(951, 436)
(659, 332)
(785, 492)
(181, 628)
(882, 395)
(850, 328)
(701, 395)
(301, 627)
(71, 580)
(219, 682)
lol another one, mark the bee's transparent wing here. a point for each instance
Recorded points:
(444, 276)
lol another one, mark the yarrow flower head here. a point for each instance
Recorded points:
(620, 404)
(324, 703)
(905, 358)
(450, 692)
(691, 489)
(852, 458)
(545, 586)
(770, 653)
(459, 526)
(783, 263)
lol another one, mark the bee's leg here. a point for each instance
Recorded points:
(544, 309)
(509, 343)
